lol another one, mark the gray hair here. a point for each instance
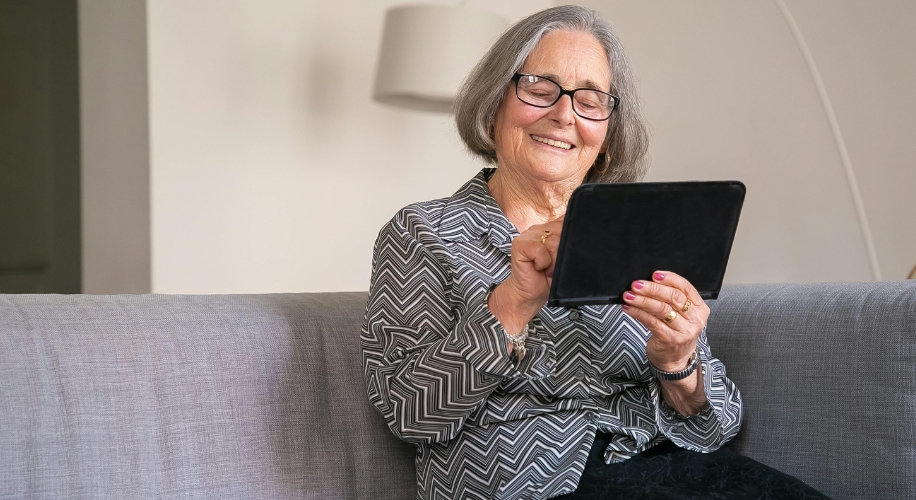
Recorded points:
(478, 99)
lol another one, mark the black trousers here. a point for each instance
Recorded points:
(667, 471)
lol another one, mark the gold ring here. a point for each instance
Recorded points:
(686, 306)
(544, 237)
(670, 316)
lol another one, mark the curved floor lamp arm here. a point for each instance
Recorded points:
(838, 137)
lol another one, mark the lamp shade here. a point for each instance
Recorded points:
(428, 50)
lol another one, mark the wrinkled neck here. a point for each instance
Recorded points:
(527, 201)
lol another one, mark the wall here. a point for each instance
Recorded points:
(272, 170)
(114, 126)
(729, 94)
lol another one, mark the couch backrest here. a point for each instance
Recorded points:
(262, 396)
(827, 373)
(257, 396)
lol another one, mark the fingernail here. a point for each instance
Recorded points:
(625, 307)
(658, 276)
(637, 285)
(629, 296)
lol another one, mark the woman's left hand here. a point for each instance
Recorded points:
(672, 342)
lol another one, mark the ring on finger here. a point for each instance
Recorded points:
(670, 316)
(686, 306)
(544, 237)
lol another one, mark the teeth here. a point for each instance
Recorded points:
(552, 142)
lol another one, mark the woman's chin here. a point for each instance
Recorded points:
(553, 171)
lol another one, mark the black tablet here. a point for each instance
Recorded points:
(614, 234)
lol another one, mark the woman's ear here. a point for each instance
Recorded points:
(601, 162)
(491, 133)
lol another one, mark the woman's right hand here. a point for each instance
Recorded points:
(523, 294)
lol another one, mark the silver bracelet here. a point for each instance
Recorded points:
(518, 343)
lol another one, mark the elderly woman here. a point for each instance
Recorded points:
(507, 398)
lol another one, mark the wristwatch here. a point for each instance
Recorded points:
(691, 366)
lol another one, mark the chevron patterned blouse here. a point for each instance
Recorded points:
(438, 370)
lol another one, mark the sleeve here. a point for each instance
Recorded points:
(427, 367)
(712, 427)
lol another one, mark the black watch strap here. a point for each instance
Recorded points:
(686, 372)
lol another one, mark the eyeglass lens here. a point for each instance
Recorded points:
(544, 93)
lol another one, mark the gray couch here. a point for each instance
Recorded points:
(261, 396)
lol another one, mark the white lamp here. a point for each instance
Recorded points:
(428, 50)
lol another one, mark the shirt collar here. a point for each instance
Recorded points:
(472, 213)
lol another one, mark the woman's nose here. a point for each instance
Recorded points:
(562, 110)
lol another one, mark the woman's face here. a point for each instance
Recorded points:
(574, 60)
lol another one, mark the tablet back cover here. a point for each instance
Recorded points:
(614, 234)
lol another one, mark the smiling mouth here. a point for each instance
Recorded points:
(550, 142)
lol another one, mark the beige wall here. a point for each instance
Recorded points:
(865, 54)
(272, 170)
(729, 94)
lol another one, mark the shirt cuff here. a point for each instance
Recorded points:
(480, 339)
(699, 432)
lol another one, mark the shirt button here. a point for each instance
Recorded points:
(591, 416)
(574, 315)
(579, 374)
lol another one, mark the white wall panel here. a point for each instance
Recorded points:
(272, 170)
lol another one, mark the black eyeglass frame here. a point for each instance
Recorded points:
(518, 76)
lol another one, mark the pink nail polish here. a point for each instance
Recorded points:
(629, 296)
(658, 276)
(625, 307)
(638, 285)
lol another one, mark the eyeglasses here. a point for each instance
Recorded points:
(542, 92)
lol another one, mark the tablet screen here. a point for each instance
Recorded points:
(614, 234)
